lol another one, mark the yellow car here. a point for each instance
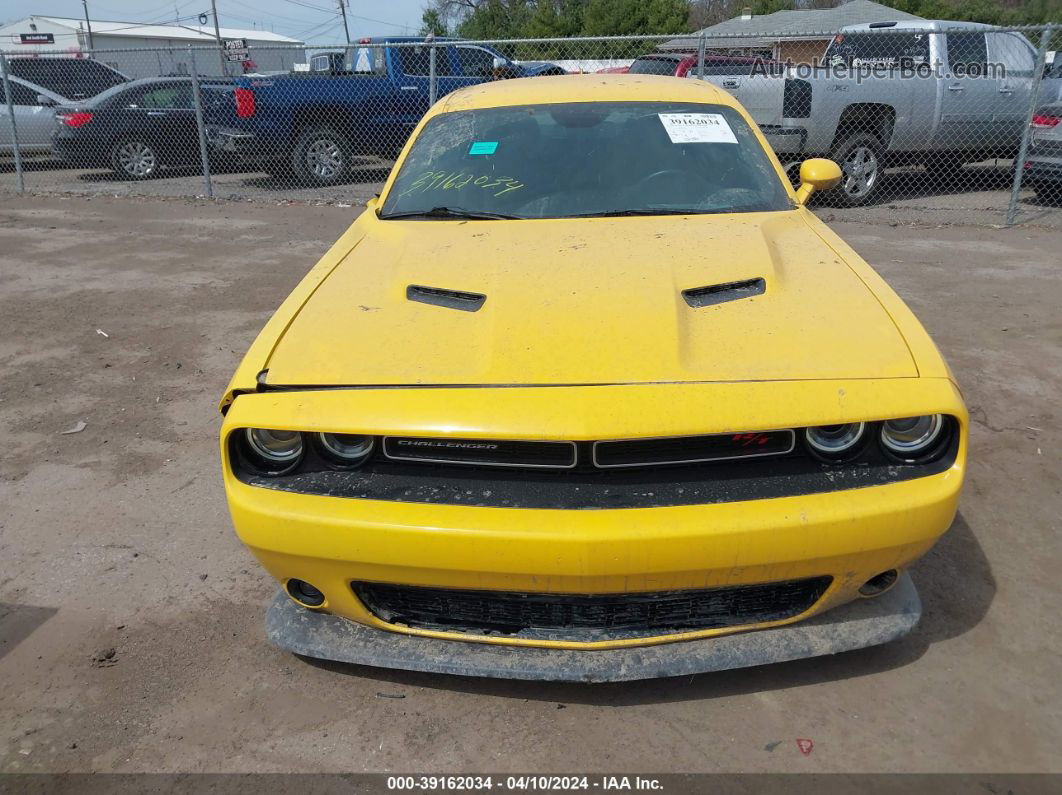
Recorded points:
(589, 394)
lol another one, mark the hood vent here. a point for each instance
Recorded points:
(451, 299)
(698, 297)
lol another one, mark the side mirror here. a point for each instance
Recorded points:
(372, 203)
(818, 173)
(44, 101)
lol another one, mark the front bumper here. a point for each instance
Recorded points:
(852, 626)
(849, 535)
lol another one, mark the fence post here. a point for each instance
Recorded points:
(204, 154)
(433, 82)
(700, 59)
(11, 121)
(1023, 150)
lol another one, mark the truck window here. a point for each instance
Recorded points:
(475, 61)
(967, 53)
(1014, 51)
(414, 60)
(866, 49)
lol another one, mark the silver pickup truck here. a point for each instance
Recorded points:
(937, 93)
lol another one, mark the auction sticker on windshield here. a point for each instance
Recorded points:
(697, 128)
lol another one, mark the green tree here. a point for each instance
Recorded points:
(634, 17)
(432, 21)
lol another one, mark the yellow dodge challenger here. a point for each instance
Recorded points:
(589, 394)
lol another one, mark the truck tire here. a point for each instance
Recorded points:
(322, 156)
(860, 158)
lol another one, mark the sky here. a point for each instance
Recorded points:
(315, 21)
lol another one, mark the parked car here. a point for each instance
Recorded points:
(1043, 166)
(38, 85)
(34, 108)
(315, 124)
(72, 78)
(942, 120)
(137, 128)
(623, 407)
(686, 65)
(614, 70)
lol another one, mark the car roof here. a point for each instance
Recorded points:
(583, 88)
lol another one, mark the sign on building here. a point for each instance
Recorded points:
(235, 49)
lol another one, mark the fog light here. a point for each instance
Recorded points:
(879, 583)
(304, 593)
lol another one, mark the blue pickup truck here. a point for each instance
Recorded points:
(314, 124)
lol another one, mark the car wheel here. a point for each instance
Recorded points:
(860, 158)
(134, 158)
(322, 157)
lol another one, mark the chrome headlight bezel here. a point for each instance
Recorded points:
(836, 443)
(271, 456)
(341, 454)
(925, 443)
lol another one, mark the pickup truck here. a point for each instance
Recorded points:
(315, 124)
(923, 92)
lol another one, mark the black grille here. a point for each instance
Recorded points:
(589, 617)
(692, 449)
(481, 452)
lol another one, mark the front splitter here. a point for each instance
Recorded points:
(856, 625)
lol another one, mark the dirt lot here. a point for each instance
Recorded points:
(131, 618)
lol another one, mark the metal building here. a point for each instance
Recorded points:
(240, 50)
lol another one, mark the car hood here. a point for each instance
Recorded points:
(589, 302)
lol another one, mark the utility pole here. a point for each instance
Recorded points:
(217, 35)
(92, 44)
(343, 11)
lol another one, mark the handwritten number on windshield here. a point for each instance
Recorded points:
(456, 180)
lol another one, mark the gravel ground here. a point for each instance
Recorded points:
(131, 617)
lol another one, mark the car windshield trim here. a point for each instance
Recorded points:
(451, 213)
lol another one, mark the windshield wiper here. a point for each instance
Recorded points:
(648, 211)
(452, 212)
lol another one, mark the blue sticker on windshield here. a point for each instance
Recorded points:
(483, 148)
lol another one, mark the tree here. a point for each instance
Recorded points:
(431, 21)
(634, 17)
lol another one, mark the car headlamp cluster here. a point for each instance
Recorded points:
(272, 452)
(909, 440)
(906, 440)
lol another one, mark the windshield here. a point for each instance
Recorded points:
(587, 158)
(74, 78)
(654, 66)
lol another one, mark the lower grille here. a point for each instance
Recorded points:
(596, 617)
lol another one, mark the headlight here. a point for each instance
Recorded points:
(835, 441)
(273, 451)
(345, 449)
(911, 438)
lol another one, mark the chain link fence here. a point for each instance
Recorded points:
(941, 123)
